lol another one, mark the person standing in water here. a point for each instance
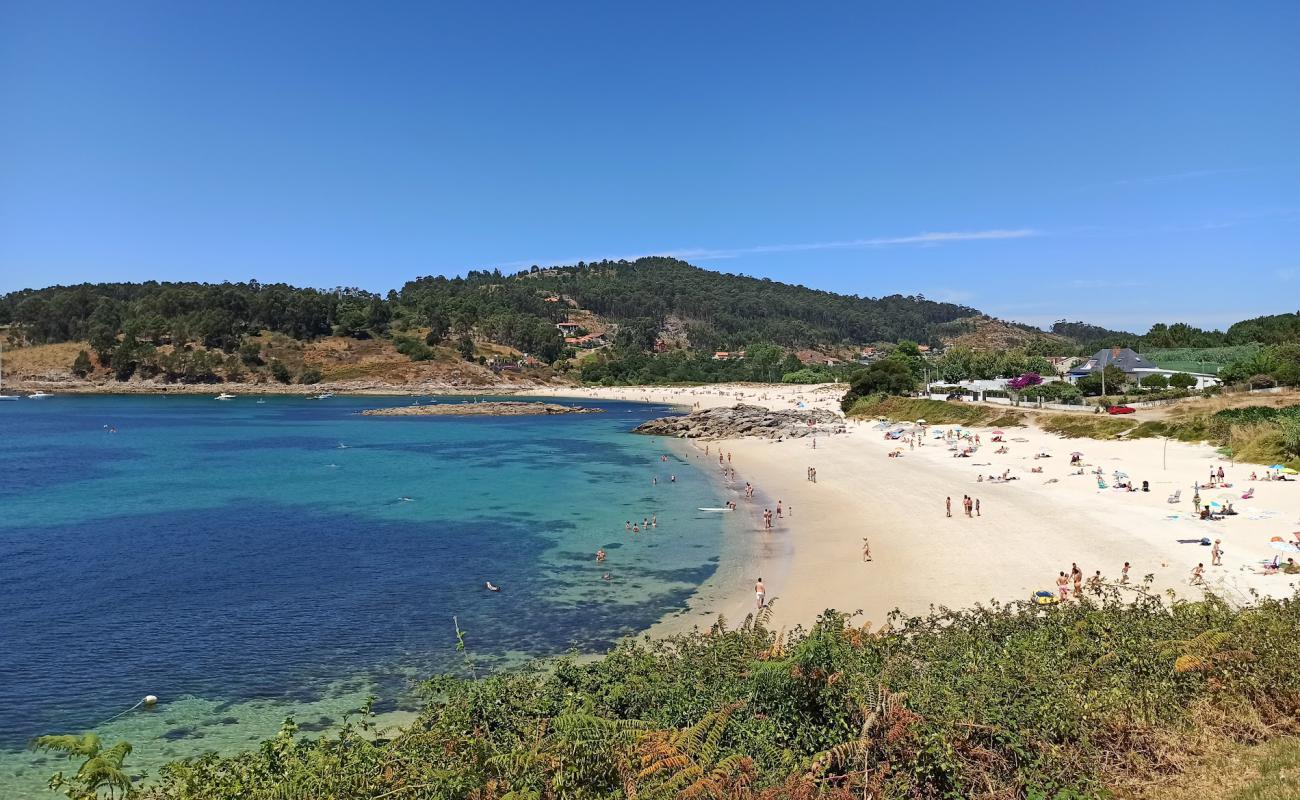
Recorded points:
(760, 593)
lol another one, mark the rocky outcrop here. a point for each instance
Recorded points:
(743, 420)
(492, 409)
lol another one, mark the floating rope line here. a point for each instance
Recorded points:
(148, 700)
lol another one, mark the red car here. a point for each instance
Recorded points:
(1121, 410)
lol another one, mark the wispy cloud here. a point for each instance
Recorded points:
(930, 239)
(1190, 175)
(1104, 283)
(933, 238)
(1286, 274)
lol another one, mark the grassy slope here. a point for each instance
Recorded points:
(935, 412)
(1258, 442)
(338, 359)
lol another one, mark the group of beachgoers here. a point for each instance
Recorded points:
(970, 505)
(769, 515)
(1075, 578)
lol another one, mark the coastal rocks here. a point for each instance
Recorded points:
(492, 409)
(745, 420)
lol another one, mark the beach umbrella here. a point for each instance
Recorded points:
(997, 433)
(1288, 471)
(1276, 466)
(1285, 547)
(1077, 454)
(920, 422)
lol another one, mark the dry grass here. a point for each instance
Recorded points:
(937, 412)
(1228, 771)
(42, 359)
(1208, 406)
(1079, 426)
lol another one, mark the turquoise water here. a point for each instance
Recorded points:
(247, 561)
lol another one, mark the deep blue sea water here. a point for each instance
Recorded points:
(246, 561)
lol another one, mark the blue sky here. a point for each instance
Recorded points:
(1120, 163)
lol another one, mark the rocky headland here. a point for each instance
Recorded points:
(745, 420)
(491, 409)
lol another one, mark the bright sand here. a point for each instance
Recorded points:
(1028, 529)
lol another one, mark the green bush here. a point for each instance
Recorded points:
(81, 366)
(412, 348)
(1016, 700)
(280, 372)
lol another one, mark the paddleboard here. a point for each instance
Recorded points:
(715, 509)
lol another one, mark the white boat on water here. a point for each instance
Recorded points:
(4, 396)
(225, 396)
(325, 396)
(39, 395)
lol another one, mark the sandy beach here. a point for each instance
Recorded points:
(1029, 529)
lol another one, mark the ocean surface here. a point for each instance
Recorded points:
(245, 561)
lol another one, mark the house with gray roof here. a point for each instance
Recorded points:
(1131, 364)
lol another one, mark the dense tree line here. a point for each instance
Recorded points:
(725, 312)
(124, 323)
(1271, 329)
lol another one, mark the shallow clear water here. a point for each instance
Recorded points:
(246, 561)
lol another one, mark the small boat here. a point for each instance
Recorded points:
(224, 396)
(325, 396)
(491, 587)
(39, 395)
(714, 509)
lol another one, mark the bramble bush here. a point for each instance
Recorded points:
(1005, 700)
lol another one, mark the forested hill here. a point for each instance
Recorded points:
(720, 310)
(641, 298)
(653, 319)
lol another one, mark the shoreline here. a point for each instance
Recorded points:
(1029, 528)
(134, 388)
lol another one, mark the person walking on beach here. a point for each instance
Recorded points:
(866, 549)
(948, 504)
(977, 506)
(778, 509)
(1076, 575)
(1063, 587)
(760, 593)
(1123, 576)
(1216, 554)
(1198, 575)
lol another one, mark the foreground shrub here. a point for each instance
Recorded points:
(1064, 701)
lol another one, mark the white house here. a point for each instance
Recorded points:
(1133, 365)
